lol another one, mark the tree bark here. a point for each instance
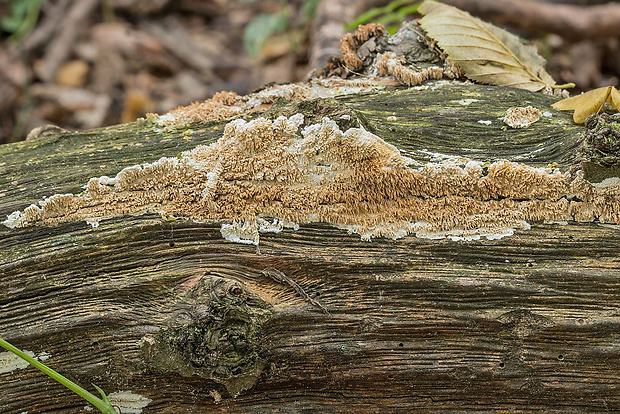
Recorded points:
(314, 319)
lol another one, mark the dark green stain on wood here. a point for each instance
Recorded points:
(427, 121)
(444, 119)
(63, 163)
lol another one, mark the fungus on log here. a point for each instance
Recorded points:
(342, 245)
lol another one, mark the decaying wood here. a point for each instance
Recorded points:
(574, 22)
(279, 277)
(328, 27)
(166, 308)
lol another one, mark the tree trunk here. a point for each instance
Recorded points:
(313, 319)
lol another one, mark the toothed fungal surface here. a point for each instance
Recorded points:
(228, 104)
(354, 180)
(521, 117)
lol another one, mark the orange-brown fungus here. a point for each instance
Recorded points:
(521, 117)
(268, 169)
(390, 64)
(350, 42)
(228, 104)
(223, 105)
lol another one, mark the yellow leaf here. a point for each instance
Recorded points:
(589, 102)
(614, 98)
(484, 52)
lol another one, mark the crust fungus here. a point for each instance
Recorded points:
(9, 362)
(521, 117)
(390, 64)
(356, 46)
(228, 104)
(352, 179)
(223, 105)
(128, 402)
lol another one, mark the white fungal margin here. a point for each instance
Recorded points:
(93, 222)
(248, 232)
(245, 232)
(495, 233)
(9, 362)
(128, 402)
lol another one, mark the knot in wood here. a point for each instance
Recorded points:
(215, 334)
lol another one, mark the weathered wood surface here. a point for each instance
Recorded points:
(525, 323)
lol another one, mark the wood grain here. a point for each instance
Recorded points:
(527, 323)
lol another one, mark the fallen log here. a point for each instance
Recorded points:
(311, 317)
(345, 245)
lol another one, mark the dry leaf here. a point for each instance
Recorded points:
(614, 98)
(72, 73)
(484, 52)
(589, 102)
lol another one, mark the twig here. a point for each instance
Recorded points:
(279, 277)
(45, 31)
(61, 45)
(180, 45)
(328, 27)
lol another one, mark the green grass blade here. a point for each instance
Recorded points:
(365, 18)
(392, 29)
(401, 8)
(398, 3)
(103, 396)
(103, 406)
(411, 9)
(390, 19)
(261, 28)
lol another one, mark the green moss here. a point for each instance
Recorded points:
(600, 149)
(602, 143)
(64, 162)
(215, 334)
(431, 118)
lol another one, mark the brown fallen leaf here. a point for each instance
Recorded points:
(589, 102)
(72, 73)
(484, 52)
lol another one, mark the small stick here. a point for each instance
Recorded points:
(279, 277)
(62, 44)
